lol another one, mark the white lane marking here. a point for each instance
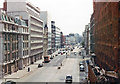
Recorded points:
(57, 59)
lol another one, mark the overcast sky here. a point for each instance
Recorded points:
(70, 16)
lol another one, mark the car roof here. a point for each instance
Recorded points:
(81, 66)
(69, 75)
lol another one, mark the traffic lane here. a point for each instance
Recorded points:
(56, 61)
(70, 66)
(46, 74)
(42, 74)
(82, 76)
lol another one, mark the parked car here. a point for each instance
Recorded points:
(10, 82)
(82, 68)
(40, 65)
(68, 78)
(51, 57)
(75, 53)
(59, 52)
(81, 63)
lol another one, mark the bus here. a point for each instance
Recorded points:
(47, 59)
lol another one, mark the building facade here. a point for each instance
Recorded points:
(57, 38)
(31, 14)
(72, 39)
(86, 37)
(92, 41)
(107, 35)
(62, 42)
(53, 36)
(14, 43)
(45, 17)
(45, 41)
(67, 40)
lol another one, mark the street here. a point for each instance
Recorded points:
(50, 72)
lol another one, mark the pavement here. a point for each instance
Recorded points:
(22, 73)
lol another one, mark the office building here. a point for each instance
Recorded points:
(31, 14)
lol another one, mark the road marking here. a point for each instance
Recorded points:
(57, 59)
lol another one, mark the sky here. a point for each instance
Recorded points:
(70, 16)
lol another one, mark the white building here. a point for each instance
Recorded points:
(14, 41)
(31, 14)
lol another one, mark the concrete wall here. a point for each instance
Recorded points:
(16, 5)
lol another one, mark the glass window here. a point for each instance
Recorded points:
(9, 57)
(5, 46)
(8, 46)
(8, 37)
(5, 38)
(5, 58)
(6, 18)
(13, 27)
(2, 17)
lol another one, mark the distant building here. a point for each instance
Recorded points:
(77, 38)
(92, 37)
(86, 37)
(67, 40)
(55, 36)
(45, 17)
(72, 39)
(62, 43)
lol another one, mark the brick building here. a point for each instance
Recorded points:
(107, 35)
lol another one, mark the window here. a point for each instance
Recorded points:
(9, 57)
(5, 58)
(8, 46)
(6, 18)
(2, 17)
(5, 46)
(5, 38)
(13, 27)
(10, 27)
(6, 26)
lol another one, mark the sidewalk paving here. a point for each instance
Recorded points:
(21, 73)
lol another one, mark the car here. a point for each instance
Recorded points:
(40, 65)
(51, 57)
(82, 68)
(56, 54)
(59, 52)
(10, 82)
(81, 63)
(68, 78)
(75, 53)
